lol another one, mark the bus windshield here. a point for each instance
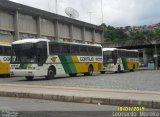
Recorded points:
(23, 53)
(109, 56)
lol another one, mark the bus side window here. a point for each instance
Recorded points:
(65, 49)
(123, 53)
(118, 53)
(41, 53)
(99, 51)
(114, 57)
(74, 49)
(127, 54)
(7, 51)
(132, 54)
(83, 50)
(1, 50)
(54, 48)
(91, 51)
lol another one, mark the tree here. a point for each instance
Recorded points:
(113, 34)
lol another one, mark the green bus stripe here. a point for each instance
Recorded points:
(124, 62)
(71, 64)
(23, 66)
(64, 63)
(67, 64)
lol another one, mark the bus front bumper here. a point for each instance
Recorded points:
(108, 69)
(23, 73)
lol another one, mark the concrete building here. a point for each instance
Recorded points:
(18, 21)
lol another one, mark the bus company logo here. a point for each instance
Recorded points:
(99, 59)
(6, 59)
(85, 59)
(53, 59)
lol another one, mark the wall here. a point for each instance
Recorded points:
(15, 25)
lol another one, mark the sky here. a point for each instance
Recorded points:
(117, 13)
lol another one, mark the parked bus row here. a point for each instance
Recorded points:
(42, 57)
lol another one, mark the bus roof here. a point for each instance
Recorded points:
(5, 44)
(109, 49)
(132, 50)
(112, 49)
(99, 45)
(33, 40)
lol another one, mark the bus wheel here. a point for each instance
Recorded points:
(103, 72)
(73, 75)
(119, 69)
(133, 68)
(51, 73)
(29, 78)
(90, 71)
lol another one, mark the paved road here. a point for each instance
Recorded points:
(21, 104)
(147, 80)
(13, 107)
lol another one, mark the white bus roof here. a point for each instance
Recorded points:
(132, 50)
(109, 49)
(99, 45)
(112, 49)
(33, 40)
(5, 44)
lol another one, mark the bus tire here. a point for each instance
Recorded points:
(133, 68)
(119, 69)
(73, 75)
(29, 78)
(51, 73)
(102, 72)
(90, 71)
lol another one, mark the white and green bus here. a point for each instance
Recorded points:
(119, 60)
(42, 57)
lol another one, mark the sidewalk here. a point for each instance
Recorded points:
(83, 95)
(144, 68)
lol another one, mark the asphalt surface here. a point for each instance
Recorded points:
(21, 104)
(147, 80)
(20, 107)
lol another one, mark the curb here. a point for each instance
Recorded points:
(79, 99)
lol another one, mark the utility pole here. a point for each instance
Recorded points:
(56, 3)
(102, 21)
(102, 9)
(90, 15)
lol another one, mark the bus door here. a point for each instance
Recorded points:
(115, 56)
(41, 53)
